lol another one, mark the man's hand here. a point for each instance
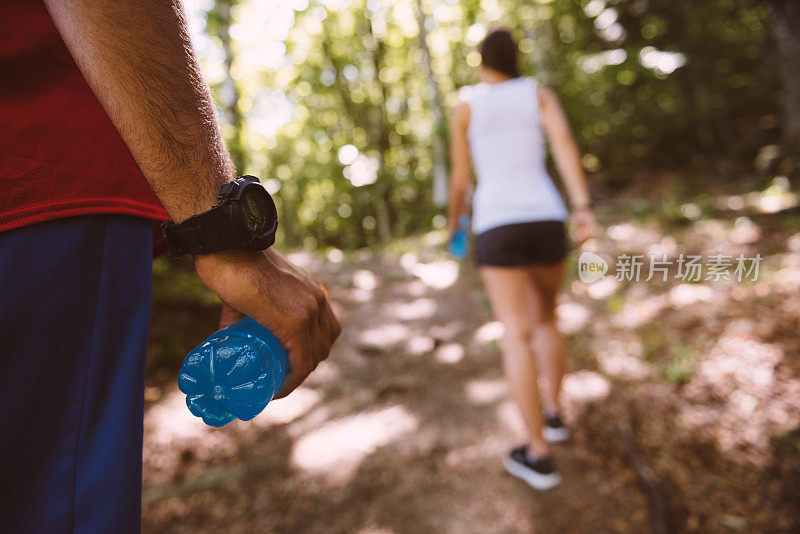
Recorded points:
(138, 59)
(228, 316)
(269, 289)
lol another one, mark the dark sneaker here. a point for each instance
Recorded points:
(540, 474)
(555, 431)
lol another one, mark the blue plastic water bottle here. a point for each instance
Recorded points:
(233, 374)
(459, 243)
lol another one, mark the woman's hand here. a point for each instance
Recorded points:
(582, 224)
(459, 173)
(452, 227)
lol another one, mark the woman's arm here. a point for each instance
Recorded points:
(568, 162)
(562, 145)
(460, 162)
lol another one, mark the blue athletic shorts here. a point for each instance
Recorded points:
(74, 307)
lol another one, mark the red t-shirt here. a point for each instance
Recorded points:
(60, 155)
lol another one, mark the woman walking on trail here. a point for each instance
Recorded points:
(521, 240)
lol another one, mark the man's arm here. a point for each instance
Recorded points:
(138, 59)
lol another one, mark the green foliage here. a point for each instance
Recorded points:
(654, 342)
(187, 312)
(175, 281)
(615, 303)
(646, 84)
(680, 367)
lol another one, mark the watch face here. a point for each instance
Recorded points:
(257, 211)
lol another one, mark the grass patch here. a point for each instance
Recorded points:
(615, 303)
(787, 444)
(654, 344)
(680, 367)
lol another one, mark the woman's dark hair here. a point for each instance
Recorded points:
(499, 52)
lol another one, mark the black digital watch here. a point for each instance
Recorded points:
(244, 217)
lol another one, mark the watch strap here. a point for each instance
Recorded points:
(199, 234)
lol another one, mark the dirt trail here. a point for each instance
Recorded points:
(403, 429)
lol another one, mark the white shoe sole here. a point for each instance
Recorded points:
(535, 480)
(555, 435)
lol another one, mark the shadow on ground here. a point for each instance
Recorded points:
(403, 428)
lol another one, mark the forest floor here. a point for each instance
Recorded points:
(403, 428)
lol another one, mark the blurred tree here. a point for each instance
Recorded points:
(656, 83)
(340, 104)
(435, 105)
(785, 16)
(381, 130)
(218, 24)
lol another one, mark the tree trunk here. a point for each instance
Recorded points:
(438, 143)
(381, 136)
(785, 16)
(341, 89)
(228, 91)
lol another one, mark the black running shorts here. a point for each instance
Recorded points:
(538, 242)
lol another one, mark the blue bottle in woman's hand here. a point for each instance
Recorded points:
(459, 243)
(234, 373)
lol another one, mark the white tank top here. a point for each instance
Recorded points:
(508, 151)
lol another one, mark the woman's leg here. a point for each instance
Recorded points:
(550, 349)
(507, 291)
